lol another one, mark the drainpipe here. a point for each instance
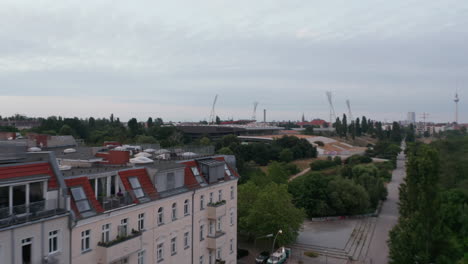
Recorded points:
(193, 223)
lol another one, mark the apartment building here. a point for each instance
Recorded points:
(182, 211)
(34, 216)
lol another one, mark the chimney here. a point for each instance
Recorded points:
(264, 115)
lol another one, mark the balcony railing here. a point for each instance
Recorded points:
(217, 209)
(119, 248)
(114, 202)
(25, 213)
(215, 240)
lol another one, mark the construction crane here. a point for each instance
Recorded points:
(348, 103)
(332, 108)
(212, 118)
(254, 113)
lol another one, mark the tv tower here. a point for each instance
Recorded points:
(456, 100)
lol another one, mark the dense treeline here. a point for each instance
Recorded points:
(364, 126)
(433, 223)
(97, 130)
(284, 149)
(355, 187)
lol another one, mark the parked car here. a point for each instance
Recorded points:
(262, 258)
(280, 256)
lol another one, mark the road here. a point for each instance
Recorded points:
(378, 250)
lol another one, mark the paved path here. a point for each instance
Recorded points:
(378, 250)
(299, 174)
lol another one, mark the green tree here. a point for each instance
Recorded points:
(272, 210)
(420, 235)
(344, 130)
(142, 139)
(225, 151)
(66, 130)
(205, 141)
(149, 123)
(286, 155)
(364, 125)
(218, 120)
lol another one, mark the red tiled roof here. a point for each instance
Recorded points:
(88, 190)
(17, 171)
(189, 178)
(145, 181)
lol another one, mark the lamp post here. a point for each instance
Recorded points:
(266, 236)
(274, 240)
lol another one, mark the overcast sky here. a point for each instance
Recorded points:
(169, 58)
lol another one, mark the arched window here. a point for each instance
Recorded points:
(174, 211)
(160, 216)
(186, 207)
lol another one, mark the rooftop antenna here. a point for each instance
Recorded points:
(332, 108)
(348, 103)
(254, 113)
(456, 100)
(212, 118)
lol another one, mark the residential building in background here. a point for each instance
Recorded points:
(34, 215)
(117, 204)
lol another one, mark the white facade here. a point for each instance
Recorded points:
(184, 229)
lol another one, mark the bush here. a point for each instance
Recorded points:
(321, 164)
(358, 159)
(337, 160)
(311, 254)
(319, 143)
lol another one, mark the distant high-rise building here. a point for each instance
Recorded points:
(411, 117)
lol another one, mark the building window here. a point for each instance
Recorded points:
(141, 257)
(227, 170)
(105, 235)
(211, 197)
(186, 207)
(211, 228)
(170, 180)
(81, 200)
(202, 235)
(174, 211)
(160, 252)
(232, 192)
(232, 217)
(53, 241)
(202, 202)
(231, 245)
(202, 259)
(210, 256)
(26, 250)
(85, 240)
(186, 240)
(219, 224)
(123, 228)
(141, 221)
(174, 246)
(195, 171)
(218, 253)
(160, 216)
(137, 190)
(220, 195)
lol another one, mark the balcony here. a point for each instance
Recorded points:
(119, 248)
(217, 209)
(29, 212)
(216, 240)
(114, 202)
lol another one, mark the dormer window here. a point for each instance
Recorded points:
(227, 170)
(81, 200)
(195, 171)
(137, 190)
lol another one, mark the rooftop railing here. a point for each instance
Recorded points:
(116, 201)
(24, 213)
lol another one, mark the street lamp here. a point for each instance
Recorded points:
(266, 236)
(274, 240)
